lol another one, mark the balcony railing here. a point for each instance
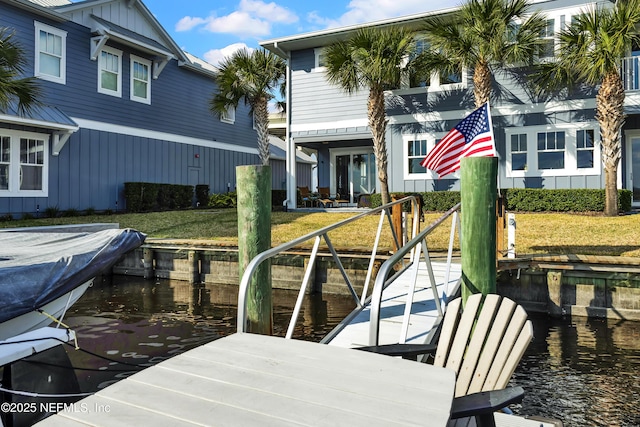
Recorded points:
(630, 73)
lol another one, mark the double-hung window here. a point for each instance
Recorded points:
(23, 163)
(50, 53)
(416, 152)
(585, 148)
(519, 152)
(547, 51)
(110, 72)
(551, 149)
(229, 116)
(140, 80)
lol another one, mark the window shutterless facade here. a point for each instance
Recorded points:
(110, 72)
(140, 80)
(229, 116)
(551, 150)
(560, 150)
(50, 53)
(23, 164)
(416, 148)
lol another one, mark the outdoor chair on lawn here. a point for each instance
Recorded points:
(483, 344)
(324, 197)
(305, 195)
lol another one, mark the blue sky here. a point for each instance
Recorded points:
(214, 29)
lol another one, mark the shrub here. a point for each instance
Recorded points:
(51, 212)
(145, 196)
(202, 195)
(71, 212)
(8, 217)
(562, 200)
(223, 200)
(90, 211)
(278, 197)
(525, 200)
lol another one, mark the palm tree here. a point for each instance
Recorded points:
(252, 77)
(371, 60)
(484, 36)
(590, 50)
(13, 86)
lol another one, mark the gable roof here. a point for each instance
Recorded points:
(326, 37)
(134, 25)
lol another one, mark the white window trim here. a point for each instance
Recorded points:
(229, 116)
(316, 65)
(14, 166)
(431, 143)
(39, 26)
(132, 96)
(570, 151)
(117, 53)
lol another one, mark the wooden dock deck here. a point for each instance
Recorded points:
(354, 331)
(256, 380)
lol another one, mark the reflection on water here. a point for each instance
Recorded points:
(584, 372)
(140, 322)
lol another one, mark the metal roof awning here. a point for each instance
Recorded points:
(106, 30)
(45, 117)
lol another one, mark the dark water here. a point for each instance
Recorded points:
(584, 372)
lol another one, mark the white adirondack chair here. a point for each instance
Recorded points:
(483, 344)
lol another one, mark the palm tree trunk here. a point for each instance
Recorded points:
(378, 125)
(610, 116)
(261, 113)
(481, 83)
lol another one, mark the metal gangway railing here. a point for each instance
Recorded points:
(322, 234)
(416, 248)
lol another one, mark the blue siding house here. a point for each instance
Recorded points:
(121, 102)
(321, 117)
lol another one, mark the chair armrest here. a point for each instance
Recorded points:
(486, 402)
(407, 351)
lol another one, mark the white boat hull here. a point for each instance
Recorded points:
(35, 319)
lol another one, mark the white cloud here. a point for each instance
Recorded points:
(269, 11)
(240, 24)
(215, 56)
(253, 18)
(188, 22)
(359, 11)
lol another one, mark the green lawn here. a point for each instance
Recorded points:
(549, 233)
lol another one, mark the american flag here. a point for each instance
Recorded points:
(472, 137)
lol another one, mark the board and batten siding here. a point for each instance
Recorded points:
(94, 166)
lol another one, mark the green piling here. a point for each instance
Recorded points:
(478, 194)
(254, 237)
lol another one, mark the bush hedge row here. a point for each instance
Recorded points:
(525, 200)
(147, 196)
(230, 200)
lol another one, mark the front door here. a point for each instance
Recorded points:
(354, 174)
(633, 167)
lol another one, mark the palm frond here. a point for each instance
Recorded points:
(13, 85)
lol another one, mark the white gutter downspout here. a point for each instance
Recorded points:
(290, 144)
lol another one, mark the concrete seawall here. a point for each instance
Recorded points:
(562, 285)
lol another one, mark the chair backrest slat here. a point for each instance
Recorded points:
(484, 342)
(525, 337)
(449, 325)
(463, 332)
(506, 346)
(483, 325)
